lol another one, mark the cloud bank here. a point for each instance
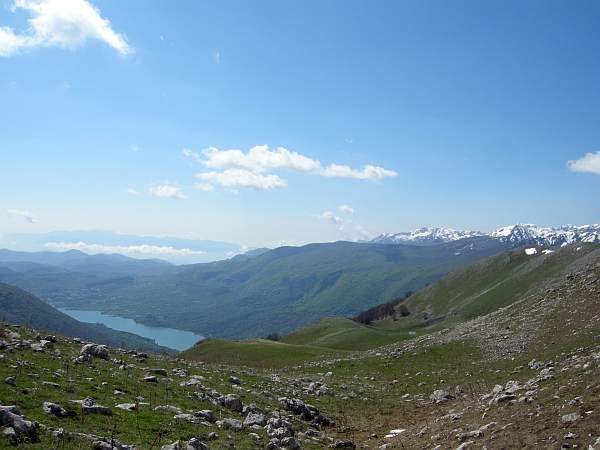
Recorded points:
(588, 163)
(60, 23)
(133, 249)
(234, 168)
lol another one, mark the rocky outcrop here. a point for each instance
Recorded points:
(232, 402)
(95, 350)
(10, 416)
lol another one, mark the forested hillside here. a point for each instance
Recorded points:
(275, 292)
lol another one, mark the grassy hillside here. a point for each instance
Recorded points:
(345, 334)
(21, 308)
(510, 279)
(278, 291)
(524, 376)
(495, 282)
(256, 353)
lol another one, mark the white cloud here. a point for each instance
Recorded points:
(259, 159)
(134, 148)
(133, 249)
(60, 23)
(331, 218)
(243, 178)
(23, 214)
(206, 187)
(371, 173)
(346, 208)
(349, 229)
(188, 152)
(132, 191)
(166, 191)
(589, 163)
(217, 57)
(245, 169)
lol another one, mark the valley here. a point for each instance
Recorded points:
(508, 357)
(275, 292)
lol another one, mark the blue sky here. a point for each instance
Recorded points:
(266, 123)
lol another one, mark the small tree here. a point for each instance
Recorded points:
(273, 337)
(403, 310)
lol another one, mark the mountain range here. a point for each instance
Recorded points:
(519, 234)
(277, 291)
(266, 291)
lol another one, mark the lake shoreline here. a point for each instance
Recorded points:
(168, 337)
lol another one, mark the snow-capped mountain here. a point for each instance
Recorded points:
(425, 236)
(520, 234)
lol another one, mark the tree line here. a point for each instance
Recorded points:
(384, 310)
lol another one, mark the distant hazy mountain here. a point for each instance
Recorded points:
(76, 261)
(175, 250)
(520, 234)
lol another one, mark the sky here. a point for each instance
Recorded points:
(267, 123)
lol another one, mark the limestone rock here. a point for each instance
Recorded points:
(90, 406)
(11, 417)
(235, 380)
(440, 395)
(206, 414)
(95, 350)
(236, 424)
(127, 406)
(255, 419)
(53, 408)
(346, 443)
(573, 417)
(173, 409)
(232, 401)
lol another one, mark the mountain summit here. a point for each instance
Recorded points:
(519, 234)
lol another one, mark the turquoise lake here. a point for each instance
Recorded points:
(169, 337)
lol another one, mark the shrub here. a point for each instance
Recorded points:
(273, 337)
